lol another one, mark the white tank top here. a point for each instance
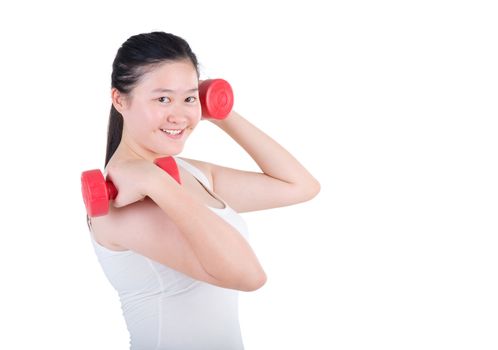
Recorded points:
(166, 309)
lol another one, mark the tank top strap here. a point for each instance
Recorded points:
(196, 172)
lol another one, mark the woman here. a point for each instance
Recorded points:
(178, 254)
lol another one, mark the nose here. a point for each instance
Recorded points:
(177, 118)
(183, 115)
(177, 115)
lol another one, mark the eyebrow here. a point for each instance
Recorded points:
(170, 90)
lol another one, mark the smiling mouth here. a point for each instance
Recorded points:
(173, 131)
(174, 134)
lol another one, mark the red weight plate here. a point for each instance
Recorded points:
(169, 165)
(94, 191)
(216, 98)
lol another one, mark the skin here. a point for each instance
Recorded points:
(145, 111)
(152, 214)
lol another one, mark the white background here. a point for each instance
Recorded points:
(392, 105)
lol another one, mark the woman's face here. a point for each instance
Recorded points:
(163, 110)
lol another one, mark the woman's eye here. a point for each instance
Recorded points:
(190, 99)
(164, 99)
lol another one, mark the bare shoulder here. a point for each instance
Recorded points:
(108, 229)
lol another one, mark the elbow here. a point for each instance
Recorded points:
(315, 189)
(253, 283)
(310, 190)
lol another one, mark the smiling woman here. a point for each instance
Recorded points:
(164, 102)
(179, 254)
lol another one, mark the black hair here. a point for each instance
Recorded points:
(137, 56)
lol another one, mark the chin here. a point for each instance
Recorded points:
(169, 152)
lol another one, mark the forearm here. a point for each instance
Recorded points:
(221, 250)
(271, 157)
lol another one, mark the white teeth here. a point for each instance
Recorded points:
(172, 132)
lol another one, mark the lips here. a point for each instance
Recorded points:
(172, 131)
(174, 134)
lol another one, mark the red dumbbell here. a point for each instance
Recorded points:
(97, 192)
(216, 97)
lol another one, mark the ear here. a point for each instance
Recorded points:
(118, 100)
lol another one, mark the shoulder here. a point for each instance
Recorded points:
(108, 230)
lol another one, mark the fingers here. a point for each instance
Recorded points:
(124, 200)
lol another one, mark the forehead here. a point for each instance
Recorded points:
(170, 75)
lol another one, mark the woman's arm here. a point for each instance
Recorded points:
(220, 249)
(155, 216)
(284, 180)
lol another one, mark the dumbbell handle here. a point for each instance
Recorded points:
(111, 190)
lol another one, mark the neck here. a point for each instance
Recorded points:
(129, 150)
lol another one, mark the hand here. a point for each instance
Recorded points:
(230, 118)
(202, 116)
(130, 178)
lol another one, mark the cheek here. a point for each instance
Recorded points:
(196, 119)
(195, 116)
(141, 122)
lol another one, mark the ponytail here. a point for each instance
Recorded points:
(114, 133)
